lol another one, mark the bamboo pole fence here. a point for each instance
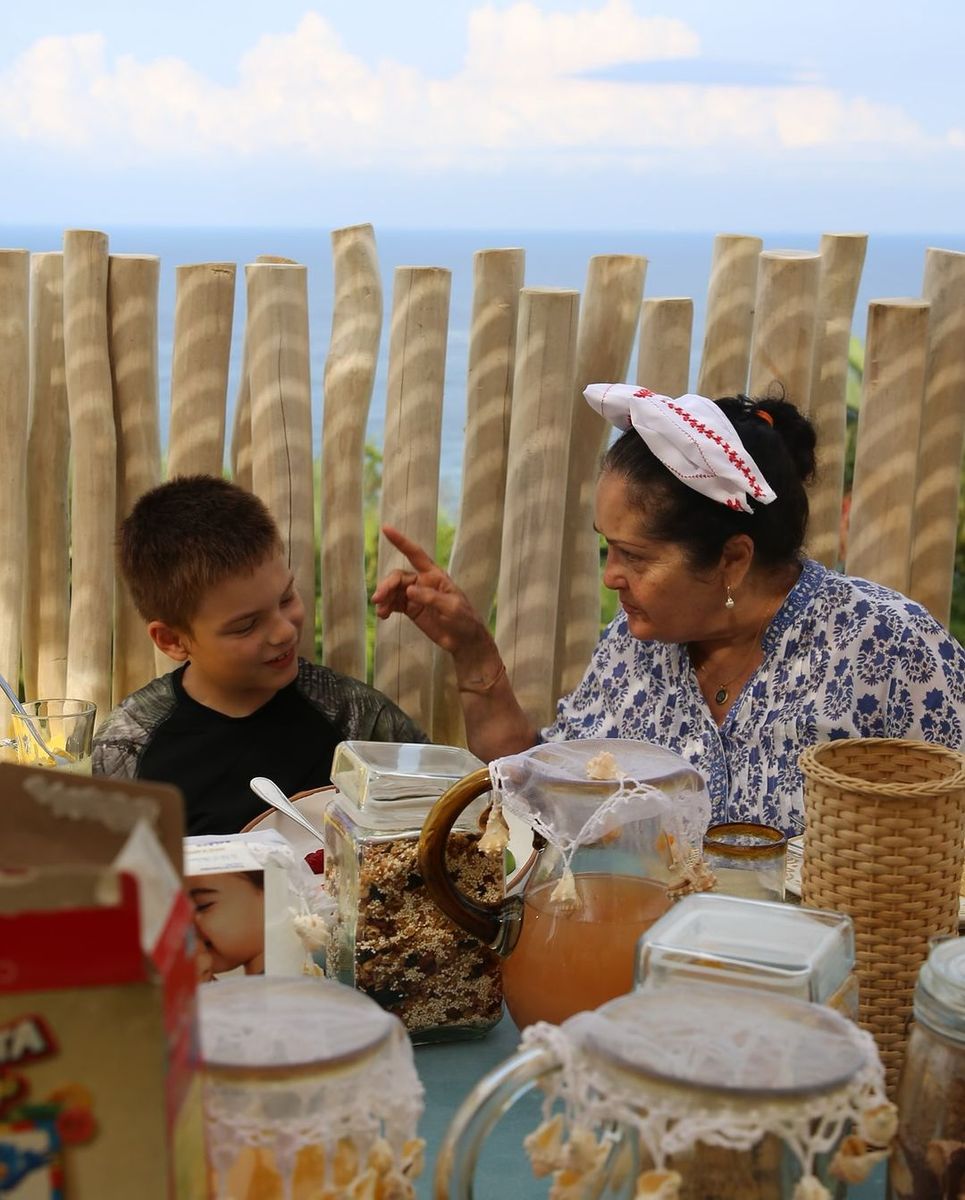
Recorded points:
(132, 305)
(474, 562)
(79, 419)
(14, 398)
(842, 258)
(203, 314)
(889, 429)
(410, 474)
(942, 435)
(46, 607)
(608, 320)
(93, 507)
(350, 368)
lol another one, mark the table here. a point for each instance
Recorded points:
(449, 1070)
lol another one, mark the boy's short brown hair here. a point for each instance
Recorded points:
(186, 536)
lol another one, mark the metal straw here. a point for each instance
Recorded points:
(59, 759)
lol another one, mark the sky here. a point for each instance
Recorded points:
(456, 114)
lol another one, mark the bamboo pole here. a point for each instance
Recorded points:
(731, 293)
(663, 355)
(14, 401)
(474, 564)
(942, 435)
(842, 259)
(240, 454)
(203, 313)
(132, 322)
(886, 462)
(410, 475)
(350, 367)
(782, 342)
(94, 467)
(608, 321)
(240, 451)
(46, 610)
(535, 511)
(281, 418)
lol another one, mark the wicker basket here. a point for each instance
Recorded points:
(884, 843)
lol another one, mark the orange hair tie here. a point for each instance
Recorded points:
(765, 416)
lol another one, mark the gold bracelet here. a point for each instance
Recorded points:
(483, 688)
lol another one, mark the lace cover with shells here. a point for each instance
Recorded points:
(744, 1067)
(316, 1075)
(643, 799)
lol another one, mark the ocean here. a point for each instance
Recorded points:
(678, 265)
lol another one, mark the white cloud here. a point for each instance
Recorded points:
(519, 96)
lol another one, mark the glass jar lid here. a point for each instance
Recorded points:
(716, 1038)
(940, 992)
(279, 1025)
(371, 774)
(801, 952)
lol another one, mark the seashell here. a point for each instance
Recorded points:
(809, 1187)
(658, 1185)
(878, 1125)
(545, 1146)
(413, 1157)
(380, 1157)
(495, 836)
(854, 1160)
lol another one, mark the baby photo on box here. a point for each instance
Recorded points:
(247, 892)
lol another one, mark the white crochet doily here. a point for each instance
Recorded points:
(712, 1064)
(296, 1063)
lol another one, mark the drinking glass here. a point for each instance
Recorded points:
(65, 727)
(749, 860)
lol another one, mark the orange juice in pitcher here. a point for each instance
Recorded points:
(571, 959)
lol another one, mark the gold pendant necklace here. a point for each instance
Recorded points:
(722, 694)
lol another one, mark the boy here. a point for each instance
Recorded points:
(206, 568)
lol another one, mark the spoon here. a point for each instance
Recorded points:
(59, 760)
(271, 793)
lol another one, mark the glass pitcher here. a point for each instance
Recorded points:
(611, 819)
(689, 1092)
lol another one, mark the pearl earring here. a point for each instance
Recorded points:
(729, 602)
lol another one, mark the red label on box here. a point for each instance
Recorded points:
(73, 947)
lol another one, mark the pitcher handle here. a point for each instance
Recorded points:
(497, 925)
(476, 1117)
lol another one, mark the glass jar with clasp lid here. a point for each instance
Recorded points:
(390, 940)
(688, 1092)
(929, 1160)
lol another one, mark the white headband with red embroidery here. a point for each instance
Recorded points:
(691, 437)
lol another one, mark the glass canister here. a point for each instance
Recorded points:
(391, 941)
(929, 1160)
(310, 1089)
(688, 1092)
(801, 952)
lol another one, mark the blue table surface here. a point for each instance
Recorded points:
(449, 1070)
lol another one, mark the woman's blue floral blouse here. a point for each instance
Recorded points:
(843, 658)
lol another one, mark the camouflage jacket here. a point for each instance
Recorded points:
(356, 710)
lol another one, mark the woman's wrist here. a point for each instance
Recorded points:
(480, 684)
(479, 668)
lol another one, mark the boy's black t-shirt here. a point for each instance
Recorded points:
(286, 739)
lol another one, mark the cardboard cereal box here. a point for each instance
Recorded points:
(99, 1094)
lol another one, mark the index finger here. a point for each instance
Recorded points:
(412, 550)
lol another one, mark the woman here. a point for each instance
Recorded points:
(731, 648)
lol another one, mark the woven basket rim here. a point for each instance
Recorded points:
(813, 767)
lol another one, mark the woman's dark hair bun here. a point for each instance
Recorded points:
(794, 429)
